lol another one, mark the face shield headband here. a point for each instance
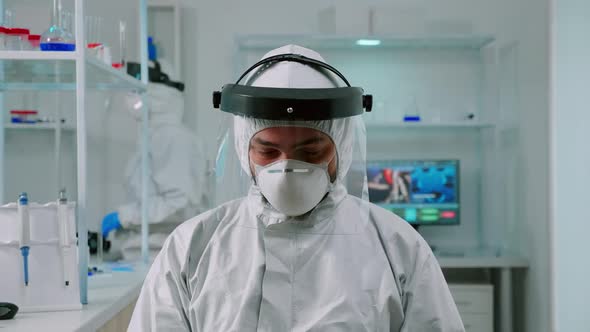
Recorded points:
(292, 104)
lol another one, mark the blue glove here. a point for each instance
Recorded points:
(110, 222)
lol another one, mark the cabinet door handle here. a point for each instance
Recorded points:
(463, 303)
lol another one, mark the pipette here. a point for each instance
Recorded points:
(25, 235)
(64, 232)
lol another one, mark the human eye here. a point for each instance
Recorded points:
(311, 153)
(267, 153)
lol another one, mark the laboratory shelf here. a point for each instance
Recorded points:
(254, 42)
(37, 55)
(34, 70)
(38, 126)
(446, 262)
(479, 258)
(430, 125)
(111, 77)
(162, 3)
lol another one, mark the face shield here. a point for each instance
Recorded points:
(293, 133)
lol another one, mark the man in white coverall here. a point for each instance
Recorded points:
(298, 253)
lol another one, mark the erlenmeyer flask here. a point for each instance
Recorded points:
(56, 38)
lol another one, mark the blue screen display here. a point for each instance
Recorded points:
(420, 191)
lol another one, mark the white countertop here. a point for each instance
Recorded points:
(108, 294)
(479, 258)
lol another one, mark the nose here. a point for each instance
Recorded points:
(294, 155)
(288, 155)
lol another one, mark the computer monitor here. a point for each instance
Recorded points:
(423, 192)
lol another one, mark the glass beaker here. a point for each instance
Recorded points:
(411, 111)
(16, 39)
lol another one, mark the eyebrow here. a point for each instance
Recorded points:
(312, 140)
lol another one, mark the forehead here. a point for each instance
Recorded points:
(289, 135)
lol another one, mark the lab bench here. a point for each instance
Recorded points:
(111, 298)
(499, 267)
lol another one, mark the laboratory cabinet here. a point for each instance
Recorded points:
(476, 305)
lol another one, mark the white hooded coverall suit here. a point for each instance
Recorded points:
(347, 265)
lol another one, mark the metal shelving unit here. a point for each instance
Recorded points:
(38, 126)
(36, 70)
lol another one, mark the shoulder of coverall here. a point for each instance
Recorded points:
(192, 236)
(406, 250)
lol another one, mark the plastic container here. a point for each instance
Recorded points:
(106, 57)
(101, 52)
(152, 51)
(34, 42)
(23, 116)
(17, 39)
(95, 50)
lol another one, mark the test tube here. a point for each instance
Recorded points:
(123, 41)
(8, 19)
(99, 27)
(64, 234)
(67, 21)
(93, 38)
(88, 30)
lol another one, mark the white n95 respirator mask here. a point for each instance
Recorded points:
(293, 187)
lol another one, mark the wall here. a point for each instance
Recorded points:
(570, 162)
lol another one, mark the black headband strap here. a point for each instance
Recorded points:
(294, 58)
